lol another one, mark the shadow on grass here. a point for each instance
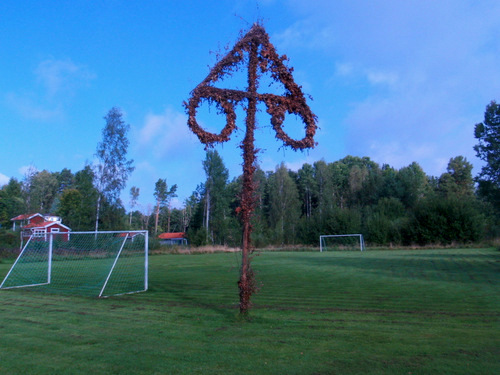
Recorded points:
(197, 296)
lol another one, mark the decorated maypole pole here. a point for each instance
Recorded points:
(260, 56)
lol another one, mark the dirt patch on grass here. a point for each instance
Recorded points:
(211, 249)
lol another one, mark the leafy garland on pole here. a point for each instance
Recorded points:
(262, 58)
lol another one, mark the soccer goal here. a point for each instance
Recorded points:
(99, 264)
(341, 242)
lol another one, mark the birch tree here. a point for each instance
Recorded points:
(216, 202)
(112, 168)
(134, 196)
(284, 205)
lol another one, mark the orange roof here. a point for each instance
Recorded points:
(25, 216)
(169, 236)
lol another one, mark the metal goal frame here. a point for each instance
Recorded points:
(361, 239)
(122, 236)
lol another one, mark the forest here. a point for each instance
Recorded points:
(390, 207)
(351, 195)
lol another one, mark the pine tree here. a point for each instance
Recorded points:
(488, 150)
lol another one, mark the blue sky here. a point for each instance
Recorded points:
(398, 81)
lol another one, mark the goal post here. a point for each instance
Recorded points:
(101, 264)
(341, 241)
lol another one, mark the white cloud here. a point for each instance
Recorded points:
(27, 169)
(165, 133)
(306, 33)
(59, 80)
(297, 164)
(382, 78)
(344, 69)
(62, 77)
(27, 106)
(4, 179)
(144, 166)
(176, 203)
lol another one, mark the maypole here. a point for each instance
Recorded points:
(262, 58)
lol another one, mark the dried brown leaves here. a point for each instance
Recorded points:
(292, 102)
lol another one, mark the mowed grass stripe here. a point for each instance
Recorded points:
(432, 311)
(390, 280)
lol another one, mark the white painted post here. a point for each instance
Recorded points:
(49, 271)
(146, 260)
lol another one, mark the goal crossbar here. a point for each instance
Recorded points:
(322, 237)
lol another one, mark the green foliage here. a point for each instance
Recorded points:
(344, 221)
(70, 208)
(197, 237)
(216, 199)
(413, 182)
(65, 180)
(44, 186)
(284, 206)
(385, 222)
(134, 196)
(112, 170)
(351, 195)
(488, 149)
(11, 202)
(458, 180)
(77, 204)
(446, 220)
(153, 243)
(163, 197)
(113, 216)
(9, 239)
(355, 195)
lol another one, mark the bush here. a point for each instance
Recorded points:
(9, 239)
(153, 243)
(446, 221)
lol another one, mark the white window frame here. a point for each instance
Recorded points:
(39, 232)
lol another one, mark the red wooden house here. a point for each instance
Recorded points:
(38, 226)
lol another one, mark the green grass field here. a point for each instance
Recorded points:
(376, 312)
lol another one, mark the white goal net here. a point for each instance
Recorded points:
(99, 264)
(341, 242)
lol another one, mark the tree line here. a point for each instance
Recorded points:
(352, 195)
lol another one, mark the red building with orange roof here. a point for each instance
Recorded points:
(174, 238)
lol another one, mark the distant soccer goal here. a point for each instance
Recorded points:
(101, 264)
(343, 242)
